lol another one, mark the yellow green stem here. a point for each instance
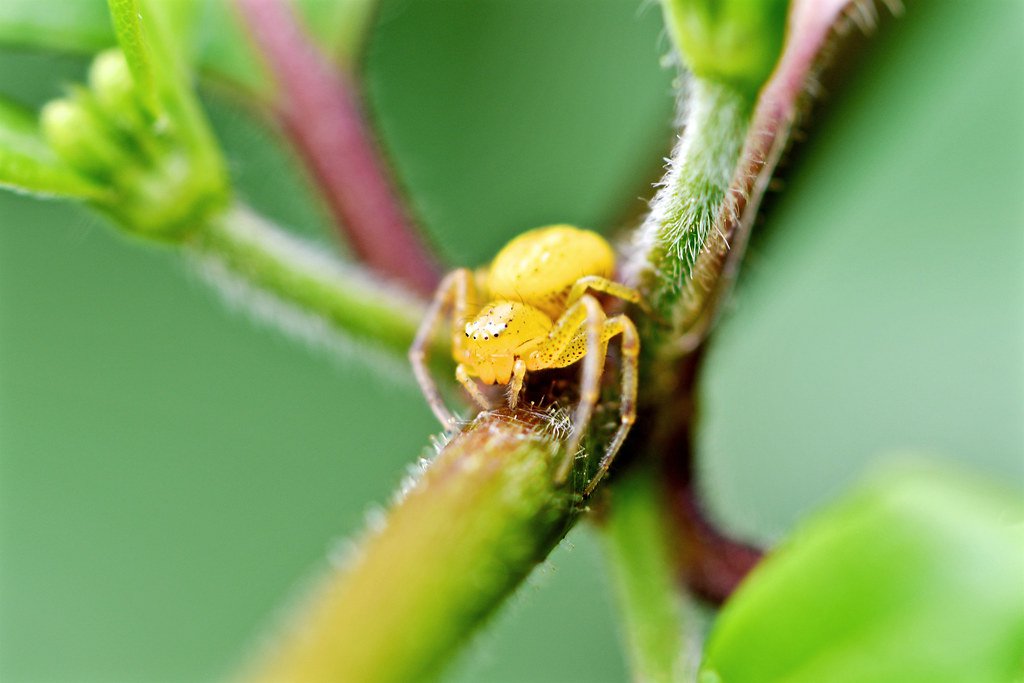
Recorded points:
(242, 251)
(461, 538)
(637, 542)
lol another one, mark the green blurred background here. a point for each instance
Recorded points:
(171, 470)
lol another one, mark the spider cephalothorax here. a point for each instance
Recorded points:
(537, 315)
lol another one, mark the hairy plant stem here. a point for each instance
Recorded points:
(456, 543)
(239, 247)
(814, 27)
(688, 254)
(687, 207)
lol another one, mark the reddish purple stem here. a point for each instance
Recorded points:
(714, 564)
(320, 111)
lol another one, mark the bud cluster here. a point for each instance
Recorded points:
(158, 186)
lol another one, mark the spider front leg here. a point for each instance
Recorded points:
(516, 385)
(576, 335)
(630, 346)
(603, 284)
(470, 385)
(454, 293)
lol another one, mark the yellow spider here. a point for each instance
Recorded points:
(531, 311)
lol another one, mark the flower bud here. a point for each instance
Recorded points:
(161, 178)
(730, 41)
(75, 133)
(111, 83)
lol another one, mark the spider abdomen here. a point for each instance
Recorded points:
(540, 266)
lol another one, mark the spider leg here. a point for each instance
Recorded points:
(630, 345)
(516, 386)
(453, 293)
(603, 284)
(592, 352)
(471, 387)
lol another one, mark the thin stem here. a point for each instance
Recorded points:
(637, 542)
(320, 110)
(302, 287)
(458, 541)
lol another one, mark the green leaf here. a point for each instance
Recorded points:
(27, 164)
(71, 25)
(339, 27)
(220, 46)
(210, 32)
(917, 577)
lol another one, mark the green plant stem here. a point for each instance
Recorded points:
(693, 196)
(240, 246)
(637, 542)
(460, 539)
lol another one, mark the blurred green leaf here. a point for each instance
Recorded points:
(211, 31)
(338, 26)
(919, 576)
(67, 25)
(27, 164)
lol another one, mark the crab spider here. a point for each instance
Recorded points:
(531, 310)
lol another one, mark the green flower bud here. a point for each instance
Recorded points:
(166, 201)
(729, 41)
(111, 82)
(161, 185)
(163, 177)
(75, 133)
